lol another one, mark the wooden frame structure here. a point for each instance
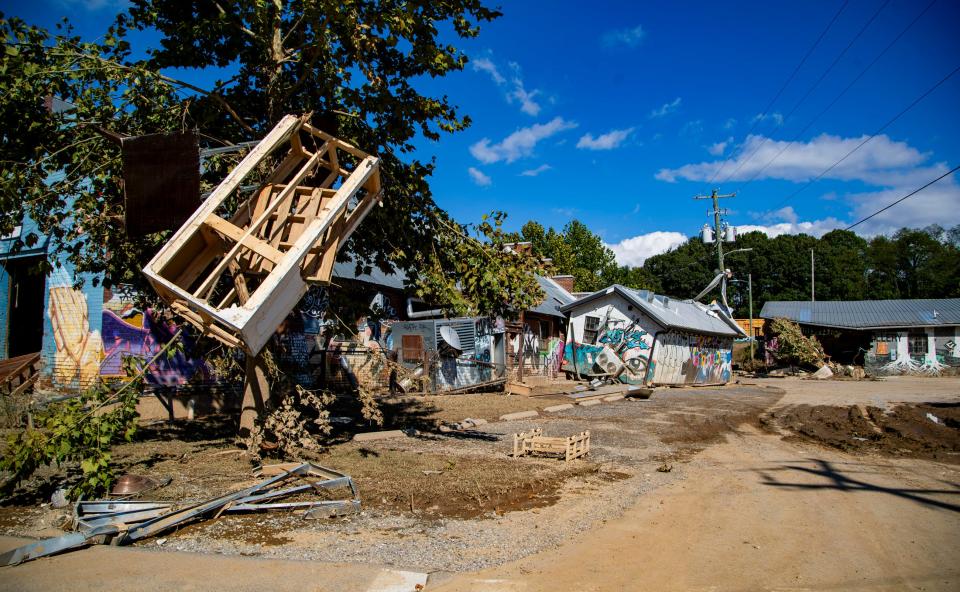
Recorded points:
(237, 274)
(534, 442)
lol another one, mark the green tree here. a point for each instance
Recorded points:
(353, 64)
(841, 266)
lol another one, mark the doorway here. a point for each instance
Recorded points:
(25, 309)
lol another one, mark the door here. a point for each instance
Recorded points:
(25, 312)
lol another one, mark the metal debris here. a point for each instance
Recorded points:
(123, 522)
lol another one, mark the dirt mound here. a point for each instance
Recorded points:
(926, 430)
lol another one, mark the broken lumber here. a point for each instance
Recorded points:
(236, 273)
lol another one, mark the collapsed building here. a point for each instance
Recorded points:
(641, 338)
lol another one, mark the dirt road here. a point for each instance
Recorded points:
(758, 513)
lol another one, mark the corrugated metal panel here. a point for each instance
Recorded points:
(867, 314)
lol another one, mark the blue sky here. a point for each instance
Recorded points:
(618, 113)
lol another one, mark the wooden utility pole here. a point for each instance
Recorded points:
(813, 293)
(750, 296)
(717, 226)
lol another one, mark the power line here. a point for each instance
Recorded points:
(763, 113)
(870, 137)
(813, 87)
(912, 193)
(842, 93)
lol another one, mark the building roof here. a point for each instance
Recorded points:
(867, 314)
(347, 270)
(685, 315)
(556, 297)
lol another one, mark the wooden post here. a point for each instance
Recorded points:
(520, 347)
(256, 393)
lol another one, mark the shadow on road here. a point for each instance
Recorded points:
(840, 480)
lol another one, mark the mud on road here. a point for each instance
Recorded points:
(909, 430)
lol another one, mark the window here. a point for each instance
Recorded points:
(917, 345)
(591, 327)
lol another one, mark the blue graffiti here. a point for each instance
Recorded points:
(633, 339)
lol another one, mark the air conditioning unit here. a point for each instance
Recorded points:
(609, 362)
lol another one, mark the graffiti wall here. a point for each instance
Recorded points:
(683, 358)
(609, 340)
(89, 330)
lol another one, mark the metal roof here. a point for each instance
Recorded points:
(556, 297)
(685, 315)
(347, 270)
(867, 314)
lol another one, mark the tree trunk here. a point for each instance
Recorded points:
(256, 394)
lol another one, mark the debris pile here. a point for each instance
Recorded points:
(792, 347)
(124, 522)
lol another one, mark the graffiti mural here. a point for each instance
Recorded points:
(684, 358)
(92, 329)
(621, 352)
(77, 347)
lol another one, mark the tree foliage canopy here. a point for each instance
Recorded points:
(354, 64)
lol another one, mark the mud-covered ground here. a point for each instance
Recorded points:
(910, 430)
(433, 501)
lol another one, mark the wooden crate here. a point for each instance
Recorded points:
(237, 274)
(534, 442)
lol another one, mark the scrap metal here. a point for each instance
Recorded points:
(123, 522)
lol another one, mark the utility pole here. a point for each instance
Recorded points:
(721, 231)
(813, 293)
(750, 293)
(717, 226)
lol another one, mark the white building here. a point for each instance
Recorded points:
(638, 337)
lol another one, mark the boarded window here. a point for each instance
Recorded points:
(591, 327)
(161, 179)
(412, 346)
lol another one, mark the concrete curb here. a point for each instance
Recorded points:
(519, 415)
(589, 402)
(557, 408)
(375, 436)
(613, 398)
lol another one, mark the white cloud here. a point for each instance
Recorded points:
(936, 204)
(889, 169)
(634, 251)
(534, 172)
(775, 117)
(719, 148)
(519, 93)
(520, 143)
(478, 177)
(729, 123)
(567, 212)
(607, 141)
(629, 37)
(527, 104)
(487, 65)
(787, 221)
(667, 108)
(881, 161)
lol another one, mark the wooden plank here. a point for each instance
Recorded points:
(277, 136)
(238, 236)
(211, 280)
